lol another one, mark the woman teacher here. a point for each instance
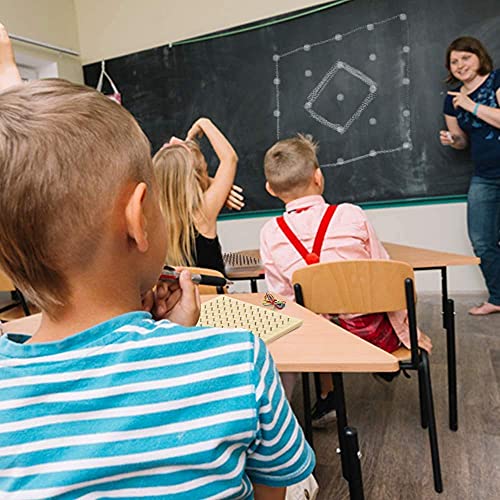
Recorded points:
(472, 115)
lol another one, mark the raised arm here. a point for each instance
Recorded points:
(9, 74)
(220, 187)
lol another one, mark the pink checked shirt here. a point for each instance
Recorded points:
(349, 236)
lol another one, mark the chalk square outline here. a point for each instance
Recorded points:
(322, 85)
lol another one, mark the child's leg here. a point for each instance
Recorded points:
(326, 384)
(289, 381)
(9, 74)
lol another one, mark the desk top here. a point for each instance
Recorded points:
(421, 258)
(316, 346)
(319, 345)
(418, 258)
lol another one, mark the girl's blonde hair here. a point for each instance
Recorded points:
(182, 179)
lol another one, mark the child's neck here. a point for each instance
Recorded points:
(311, 191)
(93, 301)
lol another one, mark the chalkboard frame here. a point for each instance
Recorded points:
(368, 205)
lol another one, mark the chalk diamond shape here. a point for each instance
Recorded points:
(322, 85)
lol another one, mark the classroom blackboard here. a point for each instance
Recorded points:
(364, 78)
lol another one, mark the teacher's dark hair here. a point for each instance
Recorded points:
(473, 45)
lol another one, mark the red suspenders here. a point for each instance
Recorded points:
(309, 257)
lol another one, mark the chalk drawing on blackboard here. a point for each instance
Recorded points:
(353, 105)
(322, 85)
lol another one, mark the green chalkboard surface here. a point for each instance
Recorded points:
(364, 78)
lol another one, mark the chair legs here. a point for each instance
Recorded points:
(23, 303)
(422, 399)
(18, 300)
(317, 385)
(424, 378)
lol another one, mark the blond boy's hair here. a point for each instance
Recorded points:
(182, 182)
(290, 164)
(66, 151)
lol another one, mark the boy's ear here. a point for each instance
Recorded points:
(136, 219)
(269, 189)
(318, 177)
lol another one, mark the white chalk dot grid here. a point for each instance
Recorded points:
(264, 322)
(371, 88)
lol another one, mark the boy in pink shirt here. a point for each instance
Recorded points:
(310, 231)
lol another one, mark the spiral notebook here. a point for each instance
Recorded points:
(264, 322)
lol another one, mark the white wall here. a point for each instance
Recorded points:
(116, 27)
(437, 227)
(49, 21)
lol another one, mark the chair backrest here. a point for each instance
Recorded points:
(6, 284)
(359, 287)
(354, 286)
(208, 289)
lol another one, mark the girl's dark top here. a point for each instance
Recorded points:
(484, 138)
(208, 253)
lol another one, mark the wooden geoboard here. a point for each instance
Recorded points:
(242, 261)
(266, 323)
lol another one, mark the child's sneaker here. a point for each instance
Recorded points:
(324, 412)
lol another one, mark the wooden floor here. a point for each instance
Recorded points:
(396, 460)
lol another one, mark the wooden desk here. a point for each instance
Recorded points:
(422, 259)
(316, 346)
(320, 345)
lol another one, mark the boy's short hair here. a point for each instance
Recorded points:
(66, 151)
(290, 164)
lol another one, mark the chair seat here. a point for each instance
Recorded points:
(402, 354)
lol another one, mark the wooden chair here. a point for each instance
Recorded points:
(6, 285)
(207, 289)
(374, 286)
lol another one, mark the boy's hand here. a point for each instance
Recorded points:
(177, 301)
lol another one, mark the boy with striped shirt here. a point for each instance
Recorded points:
(118, 395)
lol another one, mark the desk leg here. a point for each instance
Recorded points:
(444, 297)
(253, 285)
(353, 455)
(449, 325)
(452, 366)
(348, 443)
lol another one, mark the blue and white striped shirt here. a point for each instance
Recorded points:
(134, 408)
